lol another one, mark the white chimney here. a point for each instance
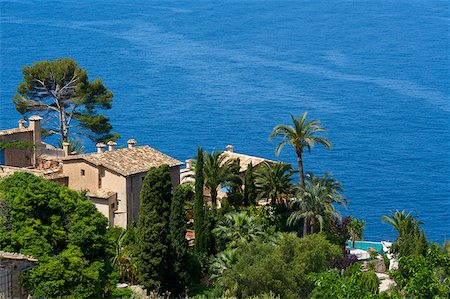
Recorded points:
(131, 143)
(230, 148)
(66, 146)
(22, 123)
(188, 164)
(111, 145)
(100, 147)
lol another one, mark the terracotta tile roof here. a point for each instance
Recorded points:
(16, 256)
(101, 193)
(244, 160)
(128, 161)
(14, 131)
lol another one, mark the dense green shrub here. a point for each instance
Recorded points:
(353, 284)
(63, 230)
(424, 276)
(282, 268)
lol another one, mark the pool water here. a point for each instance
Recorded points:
(365, 245)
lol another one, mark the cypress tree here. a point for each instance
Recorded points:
(199, 207)
(177, 239)
(153, 229)
(235, 193)
(249, 186)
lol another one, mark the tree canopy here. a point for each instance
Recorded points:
(261, 267)
(61, 92)
(63, 230)
(304, 134)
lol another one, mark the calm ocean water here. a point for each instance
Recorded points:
(185, 73)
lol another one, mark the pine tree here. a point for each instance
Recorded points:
(199, 206)
(153, 229)
(61, 92)
(177, 239)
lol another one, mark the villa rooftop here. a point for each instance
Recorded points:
(128, 161)
(245, 160)
(14, 131)
(16, 256)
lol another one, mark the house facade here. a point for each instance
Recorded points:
(29, 136)
(113, 178)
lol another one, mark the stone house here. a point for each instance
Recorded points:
(12, 266)
(31, 135)
(245, 160)
(32, 154)
(113, 178)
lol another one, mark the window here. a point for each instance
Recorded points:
(83, 172)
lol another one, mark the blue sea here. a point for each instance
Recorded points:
(212, 73)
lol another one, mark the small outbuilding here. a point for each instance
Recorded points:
(12, 266)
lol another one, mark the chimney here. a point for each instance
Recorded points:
(188, 164)
(66, 146)
(230, 148)
(35, 125)
(100, 147)
(131, 143)
(111, 145)
(22, 123)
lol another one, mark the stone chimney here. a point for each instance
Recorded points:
(131, 143)
(66, 146)
(230, 148)
(35, 125)
(188, 164)
(22, 123)
(111, 145)
(100, 147)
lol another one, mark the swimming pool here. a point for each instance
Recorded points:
(365, 245)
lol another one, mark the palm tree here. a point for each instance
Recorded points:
(238, 227)
(405, 224)
(123, 259)
(274, 180)
(355, 229)
(315, 199)
(223, 261)
(410, 240)
(217, 170)
(300, 136)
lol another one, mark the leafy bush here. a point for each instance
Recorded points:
(353, 284)
(424, 276)
(63, 230)
(282, 268)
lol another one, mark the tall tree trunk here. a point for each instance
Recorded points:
(313, 225)
(214, 199)
(305, 227)
(300, 169)
(63, 124)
